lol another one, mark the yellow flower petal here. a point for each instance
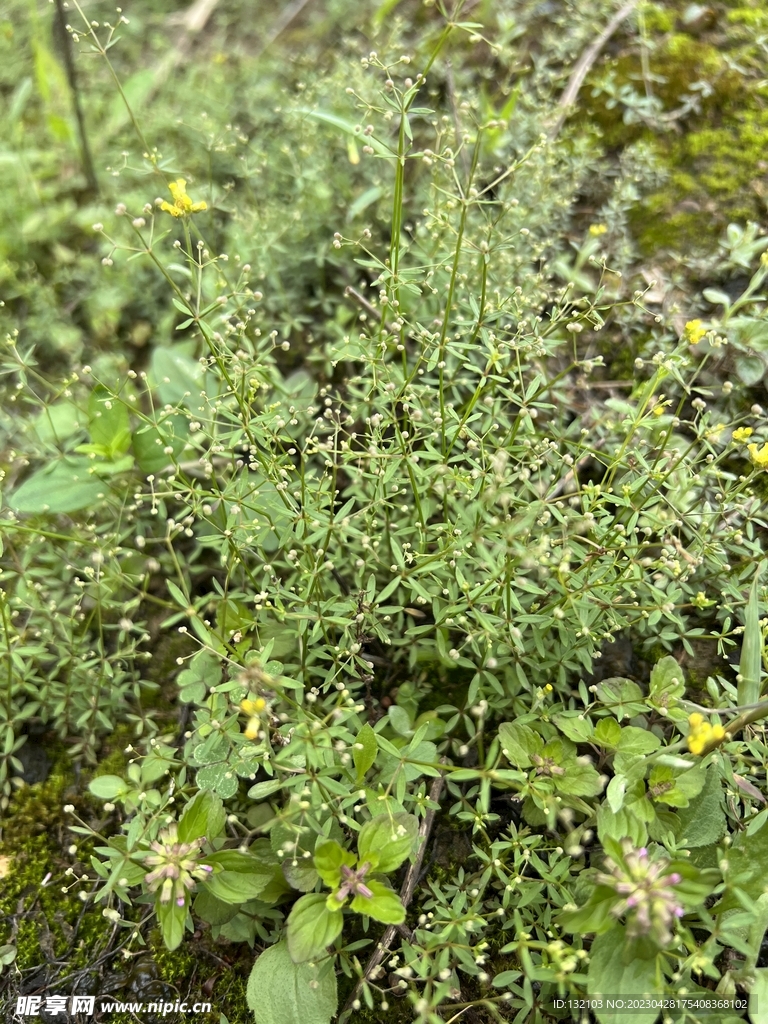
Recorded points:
(253, 707)
(182, 204)
(694, 332)
(758, 455)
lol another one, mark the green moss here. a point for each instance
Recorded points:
(113, 760)
(713, 156)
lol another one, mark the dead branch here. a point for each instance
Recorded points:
(584, 64)
(406, 895)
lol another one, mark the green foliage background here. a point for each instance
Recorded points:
(400, 440)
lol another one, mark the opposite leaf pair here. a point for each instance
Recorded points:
(382, 846)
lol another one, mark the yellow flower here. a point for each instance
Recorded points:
(758, 456)
(597, 229)
(182, 204)
(702, 735)
(714, 433)
(694, 332)
(741, 434)
(660, 405)
(253, 708)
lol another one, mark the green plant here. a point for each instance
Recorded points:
(392, 571)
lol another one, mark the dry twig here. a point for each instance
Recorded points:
(584, 64)
(406, 895)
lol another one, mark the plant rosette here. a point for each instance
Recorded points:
(316, 919)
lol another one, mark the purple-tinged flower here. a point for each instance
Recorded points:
(352, 882)
(175, 866)
(649, 899)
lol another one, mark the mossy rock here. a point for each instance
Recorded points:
(714, 153)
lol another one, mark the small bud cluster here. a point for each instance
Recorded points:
(649, 899)
(175, 867)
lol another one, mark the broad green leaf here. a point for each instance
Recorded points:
(150, 442)
(758, 997)
(399, 719)
(747, 868)
(634, 745)
(675, 789)
(749, 369)
(177, 377)
(282, 992)
(300, 875)
(579, 780)
(751, 650)
(518, 742)
(621, 696)
(608, 732)
(311, 927)
(667, 682)
(219, 777)
(575, 726)
(328, 860)
(384, 905)
(172, 919)
(364, 751)
(204, 815)
(614, 794)
(212, 910)
(108, 787)
(390, 839)
(237, 877)
(108, 422)
(621, 824)
(749, 332)
(594, 916)
(703, 821)
(58, 422)
(613, 972)
(66, 485)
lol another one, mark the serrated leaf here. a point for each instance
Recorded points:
(611, 972)
(312, 927)
(518, 742)
(575, 726)
(384, 905)
(329, 858)
(703, 821)
(282, 992)
(389, 838)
